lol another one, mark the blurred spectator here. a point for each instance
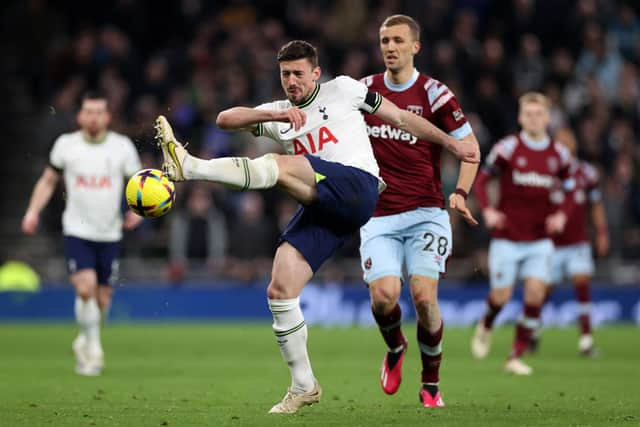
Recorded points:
(252, 239)
(198, 232)
(599, 60)
(528, 67)
(625, 30)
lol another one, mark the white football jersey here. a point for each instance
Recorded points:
(94, 175)
(335, 129)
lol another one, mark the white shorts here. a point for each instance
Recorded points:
(510, 261)
(571, 260)
(420, 238)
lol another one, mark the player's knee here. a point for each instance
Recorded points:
(535, 294)
(104, 299)
(501, 296)
(383, 299)
(278, 290)
(85, 292)
(425, 301)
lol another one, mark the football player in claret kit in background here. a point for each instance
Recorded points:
(527, 164)
(93, 162)
(410, 224)
(329, 168)
(572, 259)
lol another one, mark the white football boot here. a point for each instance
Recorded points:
(516, 366)
(173, 152)
(481, 341)
(294, 401)
(586, 346)
(93, 362)
(79, 347)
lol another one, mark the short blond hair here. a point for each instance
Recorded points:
(535, 98)
(414, 27)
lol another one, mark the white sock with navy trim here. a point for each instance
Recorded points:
(238, 172)
(88, 318)
(291, 335)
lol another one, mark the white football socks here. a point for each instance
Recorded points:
(238, 172)
(291, 335)
(88, 318)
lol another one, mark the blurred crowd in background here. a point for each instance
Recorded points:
(190, 59)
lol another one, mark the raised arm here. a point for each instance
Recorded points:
(39, 198)
(245, 118)
(423, 129)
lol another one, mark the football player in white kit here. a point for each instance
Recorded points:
(335, 179)
(93, 162)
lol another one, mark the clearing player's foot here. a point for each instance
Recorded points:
(481, 341)
(294, 401)
(516, 366)
(430, 398)
(391, 372)
(586, 347)
(173, 151)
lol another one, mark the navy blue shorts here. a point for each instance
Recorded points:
(347, 197)
(102, 257)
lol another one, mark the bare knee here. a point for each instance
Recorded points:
(276, 290)
(424, 292)
(85, 283)
(501, 296)
(534, 292)
(384, 296)
(105, 294)
(282, 289)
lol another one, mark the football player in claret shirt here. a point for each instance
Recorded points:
(522, 224)
(410, 225)
(572, 259)
(329, 168)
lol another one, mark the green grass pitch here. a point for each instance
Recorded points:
(230, 375)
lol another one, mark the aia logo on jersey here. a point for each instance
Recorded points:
(415, 109)
(93, 181)
(324, 137)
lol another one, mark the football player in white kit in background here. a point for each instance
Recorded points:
(329, 168)
(94, 162)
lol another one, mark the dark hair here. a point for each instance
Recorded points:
(94, 96)
(298, 49)
(414, 27)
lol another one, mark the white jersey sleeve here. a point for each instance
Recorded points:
(359, 94)
(56, 155)
(131, 163)
(270, 129)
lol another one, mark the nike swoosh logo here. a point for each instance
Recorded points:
(282, 132)
(172, 151)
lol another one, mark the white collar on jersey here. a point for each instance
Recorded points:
(536, 145)
(403, 86)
